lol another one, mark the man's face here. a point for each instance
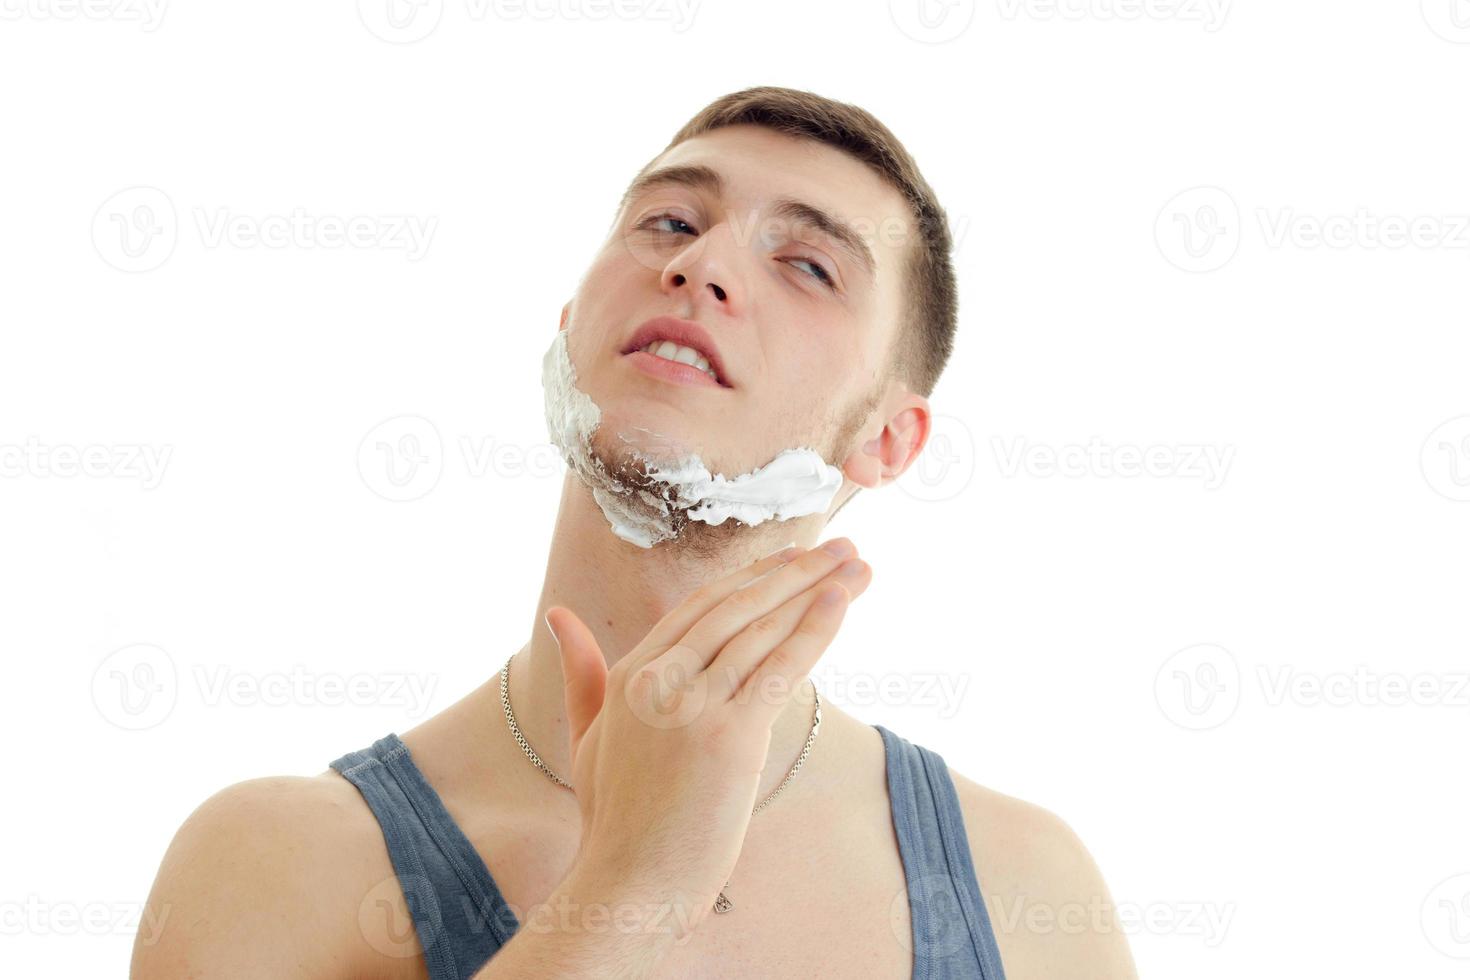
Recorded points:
(801, 324)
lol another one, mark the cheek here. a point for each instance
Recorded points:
(812, 377)
(619, 258)
(616, 285)
(606, 272)
(607, 296)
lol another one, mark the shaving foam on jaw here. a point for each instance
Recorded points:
(795, 483)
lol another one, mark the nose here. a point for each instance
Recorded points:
(677, 279)
(705, 271)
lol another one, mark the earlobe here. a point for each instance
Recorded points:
(868, 466)
(885, 457)
(864, 467)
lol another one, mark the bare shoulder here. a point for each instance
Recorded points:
(1048, 904)
(282, 876)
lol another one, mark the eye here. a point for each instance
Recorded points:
(657, 219)
(821, 272)
(681, 227)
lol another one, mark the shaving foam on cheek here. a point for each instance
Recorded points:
(571, 416)
(795, 483)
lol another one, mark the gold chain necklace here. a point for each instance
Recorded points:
(722, 903)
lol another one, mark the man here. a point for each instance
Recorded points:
(753, 344)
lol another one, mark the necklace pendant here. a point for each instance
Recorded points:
(723, 904)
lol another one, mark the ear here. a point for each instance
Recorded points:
(566, 311)
(884, 457)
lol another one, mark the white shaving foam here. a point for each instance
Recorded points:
(797, 482)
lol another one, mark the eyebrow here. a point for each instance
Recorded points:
(701, 177)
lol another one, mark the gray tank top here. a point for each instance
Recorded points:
(462, 919)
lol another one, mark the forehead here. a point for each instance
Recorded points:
(758, 165)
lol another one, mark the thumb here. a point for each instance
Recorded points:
(583, 671)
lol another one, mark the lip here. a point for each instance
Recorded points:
(673, 371)
(686, 333)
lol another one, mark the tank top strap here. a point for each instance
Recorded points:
(458, 912)
(952, 933)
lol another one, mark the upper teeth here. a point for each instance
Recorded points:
(671, 351)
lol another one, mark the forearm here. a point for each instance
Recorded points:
(593, 926)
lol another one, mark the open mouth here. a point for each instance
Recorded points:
(661, 367)
(680, 350)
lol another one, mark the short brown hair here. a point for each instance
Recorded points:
(925, 340)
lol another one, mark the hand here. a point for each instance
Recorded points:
(668, 746)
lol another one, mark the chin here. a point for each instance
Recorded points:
(629, 432)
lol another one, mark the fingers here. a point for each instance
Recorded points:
(747, 649)
(742, 607)
(678, 620)
(773, 683)
(583, 671)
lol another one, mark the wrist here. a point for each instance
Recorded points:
(597, 901)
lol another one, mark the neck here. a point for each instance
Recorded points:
(621, 591)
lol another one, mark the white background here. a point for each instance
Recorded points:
(1194, 668)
